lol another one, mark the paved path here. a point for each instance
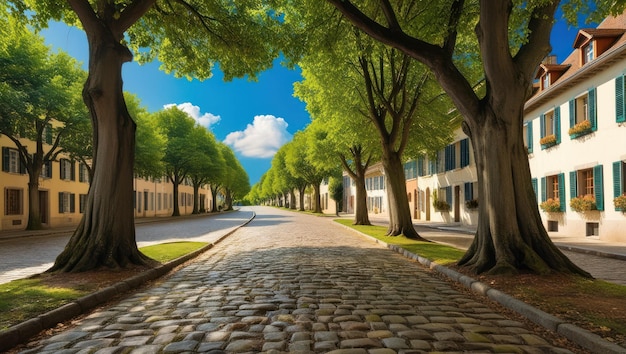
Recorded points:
(289, 282)
(24, 256)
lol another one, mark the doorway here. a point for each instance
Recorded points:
(457, 206)
(43, 207)
(427, 206)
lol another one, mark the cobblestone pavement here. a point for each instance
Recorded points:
(297, 283)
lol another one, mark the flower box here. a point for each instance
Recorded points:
(584, 203)
(551, 206)
(471, 204)
(548, 141)
(620, 202)
(580, 129)
(441, 205)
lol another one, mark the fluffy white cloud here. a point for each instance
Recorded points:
(260, 139)
(205, 120)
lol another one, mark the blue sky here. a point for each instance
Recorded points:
(254, 118)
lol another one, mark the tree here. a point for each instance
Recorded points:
(235, 183)
(150, 147)
(294, 160)
(188, 37)
(510, 40)
(206, 163)
(335, 187)
(181, 137)
(40, 102)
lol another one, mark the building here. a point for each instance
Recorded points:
(63, 188)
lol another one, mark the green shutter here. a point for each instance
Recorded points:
(592, 109)
(544, 192)
(617, 181)
(573, 190)
(72, 202)
(60, 202)
(5, 159)
(420, 166)
(542, 126)
(572, 113)
(598, 189)
(557, 124)
(529, 136)
(534, 183)
(620, 106)
(562, 190)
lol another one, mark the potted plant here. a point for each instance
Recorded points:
(548, 141)
(620, 202)
(440, 205)
(471, 204)
(551, 205)
(580, 129)
(584, 203)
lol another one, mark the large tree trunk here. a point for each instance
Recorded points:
(301, 198)
(175, 184)
(400, 222)
(196, 199)
(106, 233)
(34, 213)
(510, 235)
(214, 198)
(317, 198)
(292, 199)
(361, 216)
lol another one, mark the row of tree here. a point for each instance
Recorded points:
(483, 54)
(40, 100)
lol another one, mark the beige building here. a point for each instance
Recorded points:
(63, 187)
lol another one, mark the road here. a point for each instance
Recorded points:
(24, 256)
(291, 282)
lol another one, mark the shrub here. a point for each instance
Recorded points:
(441, 205)
(551, 205)
(584, 203)
(580, 128)
(471, 204)
(620, 202)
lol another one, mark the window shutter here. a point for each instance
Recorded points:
(72, 170)
(534, 183)
(72, 202)
(592, 110)
(617, 181)
(449, 195)
(572, 113)
(620, 105)
(557, 124)
(542, 128)
(60, 202)
(5, 159)
(465, 158)
(562, 191)
(544, 191)
(529, 136)
(573, 190)
(420, 166)
(598, 189)
(468, 191)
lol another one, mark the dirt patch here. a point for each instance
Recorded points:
(91, 280)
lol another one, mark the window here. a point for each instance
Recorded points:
(82, 202)
(582, 108)
(67, 170)
(583, 114)
(83, 173)
(553, 187)
(553, 226)
(13, 201)
(66, 202)
(11, 161)
(550, 128)
(588, 181)
(46, 169)
(410, 170)
(450, 157)
(465, 152)
(528, 136)
(593, 229)
(545, 81)
(548, 125)
(158, 201)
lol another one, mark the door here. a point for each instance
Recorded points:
(427, 206)
(43, 207)
(457, 206)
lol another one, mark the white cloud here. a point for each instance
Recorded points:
(205, 120)
(260, 139)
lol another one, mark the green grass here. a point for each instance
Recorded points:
(165, 252)
(23, 299)
(439, 253)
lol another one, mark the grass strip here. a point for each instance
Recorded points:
(23, 299)
(437, 252)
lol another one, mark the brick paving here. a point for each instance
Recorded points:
(297, 283)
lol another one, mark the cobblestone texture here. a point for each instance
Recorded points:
(297, 283)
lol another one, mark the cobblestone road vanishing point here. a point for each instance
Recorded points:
(297, 283)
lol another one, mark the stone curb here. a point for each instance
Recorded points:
(23, 331)
(580, 336)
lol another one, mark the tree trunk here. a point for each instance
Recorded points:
(196, 197)
(106, 233)
(292, 199)
(301, 198)
(361, 216)
(510, 235)
(175, 184)
(214, 199)
(34, 213)
(228, 200)
(400, 222)
(317, 198)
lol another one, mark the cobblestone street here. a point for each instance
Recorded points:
(289, 282)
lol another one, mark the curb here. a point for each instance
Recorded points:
(580, 336)
(23, 331)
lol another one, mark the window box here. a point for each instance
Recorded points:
(441, 205)
(584, 203)
(548, 141)
(551, 206)
(580, 129)
(620, 203)
(471, 204)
